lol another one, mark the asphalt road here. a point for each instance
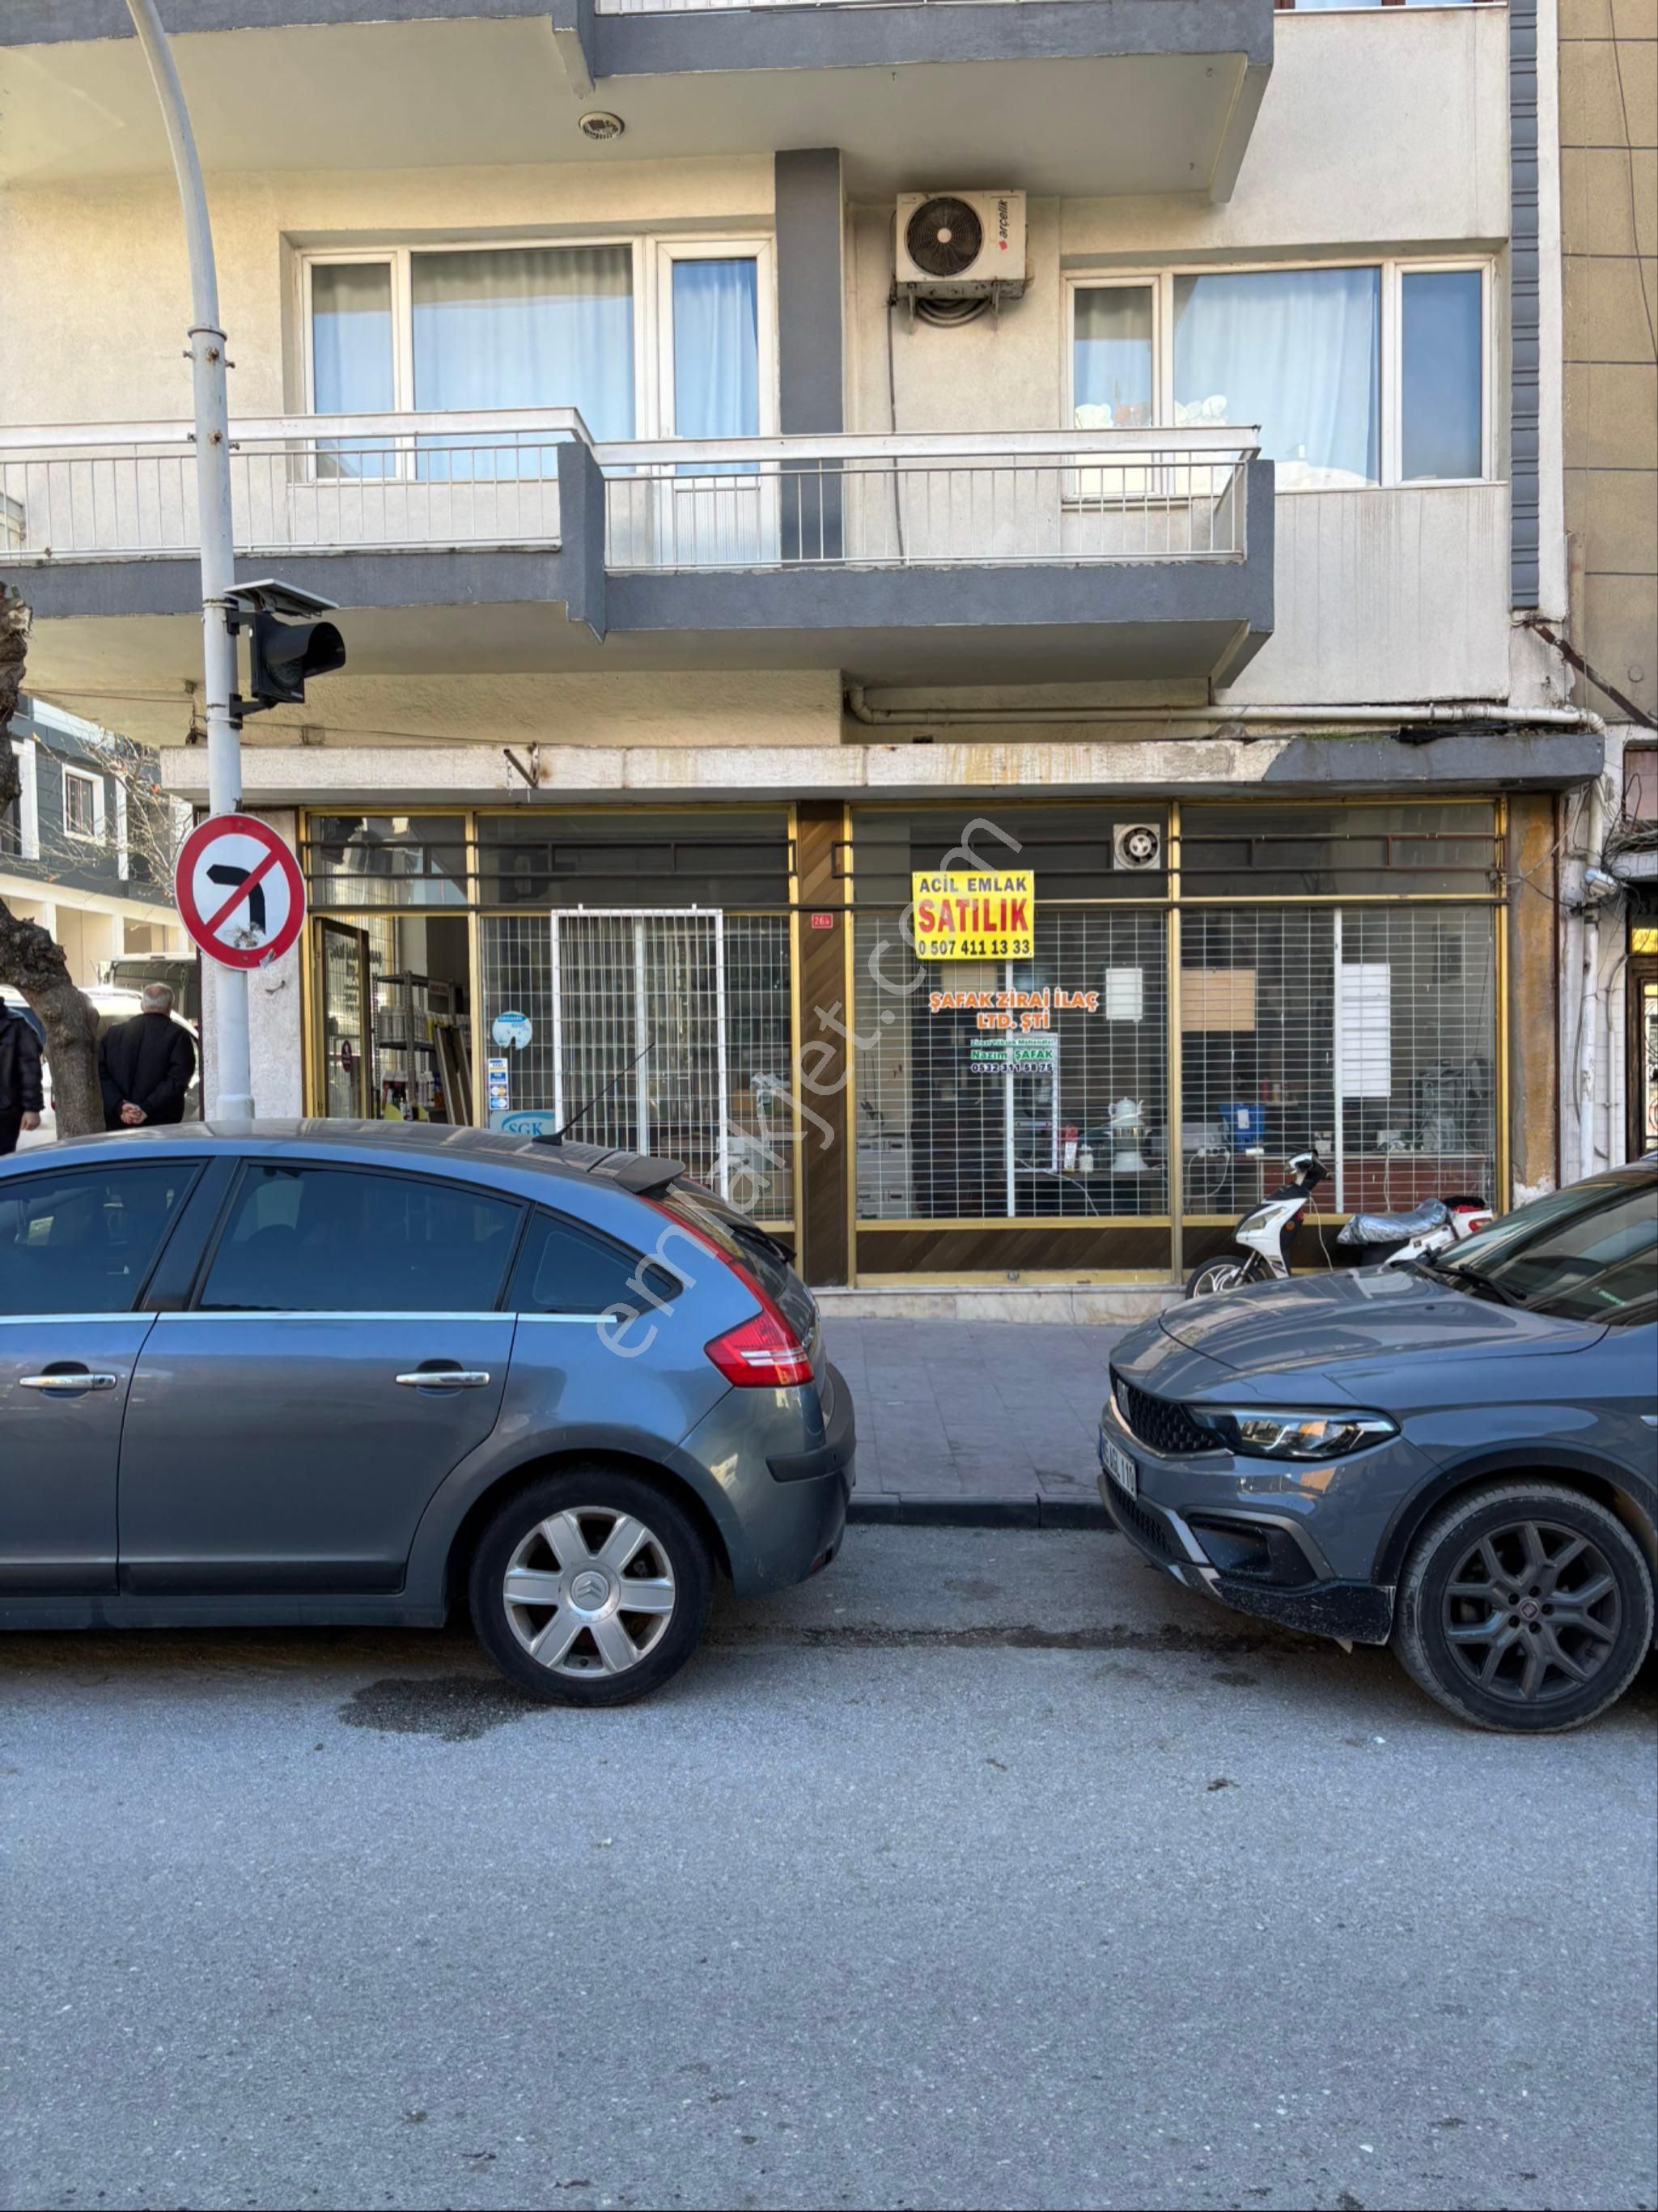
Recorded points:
(991, 1870)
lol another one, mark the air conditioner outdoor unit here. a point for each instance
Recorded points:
(960, 246)
(1135, 845)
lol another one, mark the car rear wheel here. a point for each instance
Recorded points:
(1527, 1608)
(591, 1587)
(1216, 1275)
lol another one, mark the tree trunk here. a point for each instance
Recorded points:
(29, 959)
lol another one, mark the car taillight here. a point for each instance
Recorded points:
(761, 1352)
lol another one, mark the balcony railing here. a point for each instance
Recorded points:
(432, 483)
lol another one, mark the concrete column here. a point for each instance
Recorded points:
(1534, 1014)
(811, 229)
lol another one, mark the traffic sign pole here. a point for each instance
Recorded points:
(232, 1061)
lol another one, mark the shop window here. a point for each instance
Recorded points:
(1016, 1090)
(1361, 851)
(1074, 852)
(726, 859)
(658, 1030)
(1365, 1034)
(363, 860)
(332, 1240)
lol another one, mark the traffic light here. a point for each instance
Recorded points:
(280, 656)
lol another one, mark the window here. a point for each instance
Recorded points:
(1354, 375)
(84, 1243)
(333, 1240)
(83, 803)
(570, 1271)
(441, 330)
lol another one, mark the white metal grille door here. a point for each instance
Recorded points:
(639, 1015)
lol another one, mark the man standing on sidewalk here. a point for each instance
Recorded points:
(20, 1077)
(145, 1065)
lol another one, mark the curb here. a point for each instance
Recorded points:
(895, 1510)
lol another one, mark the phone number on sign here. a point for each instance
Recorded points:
(1021, 947)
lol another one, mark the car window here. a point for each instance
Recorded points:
(83, 1242)
(565, 1269)
(306, 1239)
(1583, 1255)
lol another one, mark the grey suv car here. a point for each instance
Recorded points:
(1461, 1458)
(351, 1372)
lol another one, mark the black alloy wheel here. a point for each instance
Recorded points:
(1527, 1607)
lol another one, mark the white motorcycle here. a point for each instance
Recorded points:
(1266, 1235)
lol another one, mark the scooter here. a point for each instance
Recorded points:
(1371, 1239)
(1265, 1234)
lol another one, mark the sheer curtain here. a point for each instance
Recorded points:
(1296, 350)
(524, 326)
(716, 348)
(351, 369)
(1111, 371)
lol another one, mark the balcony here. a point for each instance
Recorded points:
(1133, 555)
(1087, 96)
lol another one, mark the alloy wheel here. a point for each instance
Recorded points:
(1217, 1275)
(589, 1591)
(1532, 1612)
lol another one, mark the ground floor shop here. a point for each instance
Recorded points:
(1093, 1046)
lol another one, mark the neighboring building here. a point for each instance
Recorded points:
(85, 847)
(700, 587)
(1609, 222)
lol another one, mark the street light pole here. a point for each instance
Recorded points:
(233, 1094)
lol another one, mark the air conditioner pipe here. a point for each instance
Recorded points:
(1442, 712)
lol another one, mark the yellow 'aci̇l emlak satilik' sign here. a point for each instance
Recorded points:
(982, 914)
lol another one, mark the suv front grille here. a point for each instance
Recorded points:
(1159, 1422)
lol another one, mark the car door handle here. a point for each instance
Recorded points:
(64, 1380)
(446, 1378)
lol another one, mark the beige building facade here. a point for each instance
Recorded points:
(708, 576)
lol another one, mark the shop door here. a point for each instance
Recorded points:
(639, 1033)
(343, 1000)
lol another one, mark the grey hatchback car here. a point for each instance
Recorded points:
(1461, 1458)
(353, 1372)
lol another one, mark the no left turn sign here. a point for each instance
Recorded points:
(239, 890)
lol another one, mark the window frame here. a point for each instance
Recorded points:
(654, 256)
(98, 835)
(1394, 268)
(249, 1166)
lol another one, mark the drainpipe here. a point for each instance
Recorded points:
(1589, 1026)
(1301, 718)
(232, 1059)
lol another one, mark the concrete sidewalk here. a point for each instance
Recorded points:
(989, 1423)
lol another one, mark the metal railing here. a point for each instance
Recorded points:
(347, 483)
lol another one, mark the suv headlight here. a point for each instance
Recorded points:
(1275, 1435)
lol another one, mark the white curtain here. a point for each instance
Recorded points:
(524, 326)
(1111, 369)
(1296, 350)
(351, 356)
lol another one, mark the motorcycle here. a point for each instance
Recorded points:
(1267, 1233)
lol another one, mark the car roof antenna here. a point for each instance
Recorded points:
(559, 1135)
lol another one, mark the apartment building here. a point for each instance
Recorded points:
(767, 455)
(85, 847)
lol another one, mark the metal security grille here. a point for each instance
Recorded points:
(759, 1096)
(516, 956)
(1366, 1034)
(1015, 1090)
(639, 1015)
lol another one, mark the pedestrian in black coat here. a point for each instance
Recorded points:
(145, 1065)
(21, 1101)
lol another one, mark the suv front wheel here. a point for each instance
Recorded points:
(591, 1587)
(1526, 1607)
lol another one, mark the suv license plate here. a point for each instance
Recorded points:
(1121, 1469)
